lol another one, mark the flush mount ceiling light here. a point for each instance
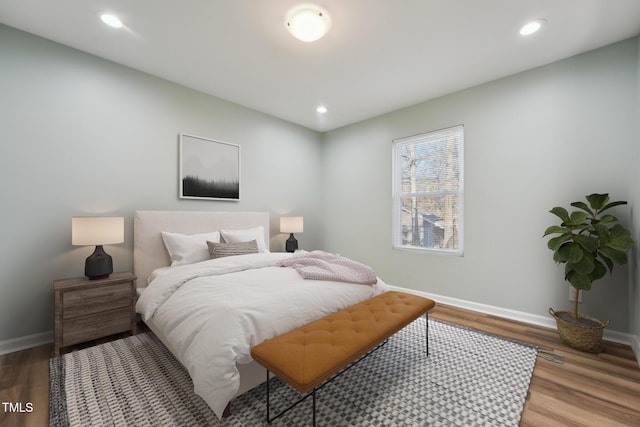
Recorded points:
(321, 109)
(111, 20)
(532, 27)
(308, 22)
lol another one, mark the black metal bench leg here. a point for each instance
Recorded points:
(426, 315)
(268, 417)
(314, 407)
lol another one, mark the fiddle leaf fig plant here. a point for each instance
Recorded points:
(588, 242)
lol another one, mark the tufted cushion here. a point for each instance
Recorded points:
(305, 357)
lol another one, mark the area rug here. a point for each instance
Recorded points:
(469, 379)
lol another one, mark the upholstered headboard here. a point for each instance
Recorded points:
(149, 251)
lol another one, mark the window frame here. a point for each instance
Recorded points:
(398, 194)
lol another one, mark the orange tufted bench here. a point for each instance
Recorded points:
(308, 356)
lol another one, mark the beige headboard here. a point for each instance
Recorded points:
(149, 251)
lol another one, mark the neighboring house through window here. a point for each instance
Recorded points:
(428, 191)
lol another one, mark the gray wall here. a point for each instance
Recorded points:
(634, 192)
(83, 136)
(534, 140)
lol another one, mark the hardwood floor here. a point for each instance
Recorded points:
(24, 378)
(600, 390)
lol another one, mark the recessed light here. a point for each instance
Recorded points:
(111, 20)
(532, 27)
(308, 22)
(321, 109)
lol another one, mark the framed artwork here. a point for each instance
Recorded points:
(209, 169)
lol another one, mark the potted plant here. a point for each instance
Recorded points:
(589, 243)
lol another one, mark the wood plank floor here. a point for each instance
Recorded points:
(586, 390)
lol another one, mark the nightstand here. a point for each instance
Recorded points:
(89, 309)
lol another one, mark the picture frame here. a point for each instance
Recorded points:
(209, 169)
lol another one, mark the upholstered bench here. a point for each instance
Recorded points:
(310, 356)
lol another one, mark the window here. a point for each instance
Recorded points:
(428, 191)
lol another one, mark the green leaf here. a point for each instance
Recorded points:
(556, 242)
(555, 229)
(568, 268)
(602, 231)
(561, 213)
(585, 265)
(589, 244)
(607, 261)
(612, 204)
(577, 218)
(599, 270)
(607, 219)
(597, 201)
(579, 281)
(620, 239)
(617, 256)
(571, 252)
(583, 206)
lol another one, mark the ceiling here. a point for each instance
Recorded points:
(379, 56)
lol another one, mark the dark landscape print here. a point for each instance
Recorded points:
(197, 187)
(209, 169)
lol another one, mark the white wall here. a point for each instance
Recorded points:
(82, 136)
(535, 140)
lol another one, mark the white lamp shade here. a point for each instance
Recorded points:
(97, 230)
(307, 22)
(291, 224)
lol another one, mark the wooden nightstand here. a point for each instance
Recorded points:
(89, 309)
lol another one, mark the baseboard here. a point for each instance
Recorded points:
(28, 341)
(635, 346)
(520, 316)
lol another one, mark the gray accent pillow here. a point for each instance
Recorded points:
(220, 250)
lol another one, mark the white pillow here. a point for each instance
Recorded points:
(247, 235)
(188, 248)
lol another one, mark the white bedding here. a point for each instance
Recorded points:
(211, 313)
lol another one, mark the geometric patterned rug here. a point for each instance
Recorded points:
(470, 378)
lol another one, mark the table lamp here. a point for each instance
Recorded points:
(291, 224)
(98, 231)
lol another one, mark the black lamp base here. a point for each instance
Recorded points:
(99, 265)
(291, 244)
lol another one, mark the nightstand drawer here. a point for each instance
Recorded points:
(85, 310)
(96, 300)
(88, 328)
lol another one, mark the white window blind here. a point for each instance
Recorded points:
(428, 190)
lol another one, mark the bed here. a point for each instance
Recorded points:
(210, 312)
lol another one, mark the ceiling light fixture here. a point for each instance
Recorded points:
(308, 22)
(111, 20)
(532, 27)
(321, 109)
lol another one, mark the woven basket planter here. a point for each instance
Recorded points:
(580, 337)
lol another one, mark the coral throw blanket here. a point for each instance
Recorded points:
(320, 265)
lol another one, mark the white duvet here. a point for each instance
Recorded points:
(211, 313)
